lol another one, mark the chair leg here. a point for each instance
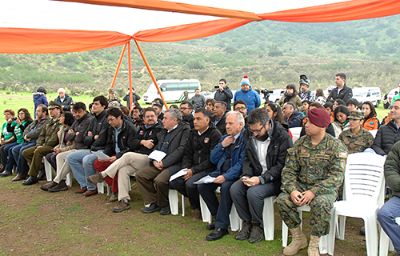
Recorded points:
(173, 201)
(371, 235)
(205, 213)
(383, 243)
(268, 218)
(100, 188)
(69, 180)
(342, 227)
(183, 205)
(47, 169)
(234, 219)
(285, 233)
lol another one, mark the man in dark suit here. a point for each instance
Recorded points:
(153, 181)
(341, 91)
(219, 116)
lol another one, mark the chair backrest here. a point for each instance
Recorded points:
(295, 133)
(364, 177)
(373, 132)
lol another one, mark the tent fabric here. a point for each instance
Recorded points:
(344, 11)
(53, 31)
(174, 7)
(189, 31)
(19, 40)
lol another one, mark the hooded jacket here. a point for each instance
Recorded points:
(250, 97)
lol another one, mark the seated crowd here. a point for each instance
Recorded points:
(247, 152)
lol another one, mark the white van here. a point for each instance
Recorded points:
(172, 90)
(372, 94)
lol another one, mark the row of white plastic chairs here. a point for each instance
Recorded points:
(364, 192)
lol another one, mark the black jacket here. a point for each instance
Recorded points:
(385, 138)
(221, 125)
(80, 128)
(98, 126)
(176, 146)
(144, 133)
(198, 149)
(125, 139)
(345, 94)
(226, 96)
(392, 171)
(188, 120)
(66, 104)
(275, 158)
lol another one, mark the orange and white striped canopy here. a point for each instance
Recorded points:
(42, 26)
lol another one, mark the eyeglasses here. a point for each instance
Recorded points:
(258, 130)
(240, 108)
(182, 108)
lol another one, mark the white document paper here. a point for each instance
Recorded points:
(181, 173)
(205, 179)
(100, 155)
(157, 155)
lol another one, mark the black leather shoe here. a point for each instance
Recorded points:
(165, 211)
(30, 181)
(218, 233)
(5, 174)
(257, 234)
(211, 226)
(244, 233)
(152, 208)
(41, 175)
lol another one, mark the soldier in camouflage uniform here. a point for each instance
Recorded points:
(356, 139)
(313, 171)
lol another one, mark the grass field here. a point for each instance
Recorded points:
(34, 222)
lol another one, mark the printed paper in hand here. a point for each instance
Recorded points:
(181, 173)
(157, 155)
(204, 180)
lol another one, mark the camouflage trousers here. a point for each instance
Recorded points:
(320, 212)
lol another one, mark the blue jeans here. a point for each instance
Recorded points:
(220, 210)
(12, 161)
(6, 151)
(22, 165)
(81, 164)
(389, 218)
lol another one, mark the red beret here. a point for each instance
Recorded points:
(319, 117)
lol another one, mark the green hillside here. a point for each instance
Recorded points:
(272, 53)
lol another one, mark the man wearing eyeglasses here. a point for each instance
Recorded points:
(186, 109)
(389, 134)
(223, 93)
(261, 173)
(240, 106)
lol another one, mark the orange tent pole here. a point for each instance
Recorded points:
(153, 78)
(118, 66)
(130, 76)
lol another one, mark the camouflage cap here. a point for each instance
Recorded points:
(53, 104)
(356, 115)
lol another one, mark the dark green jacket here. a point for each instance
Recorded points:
(392, 169)
(48, 135)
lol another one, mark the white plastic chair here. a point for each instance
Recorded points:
(173, 197)
(268, 218)
(48, 169)
(385, 244)
(295, 131)
(324, 240)
(234, 219)
(364, 194)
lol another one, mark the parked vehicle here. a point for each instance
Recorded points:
(172, 90)
(372, 94)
